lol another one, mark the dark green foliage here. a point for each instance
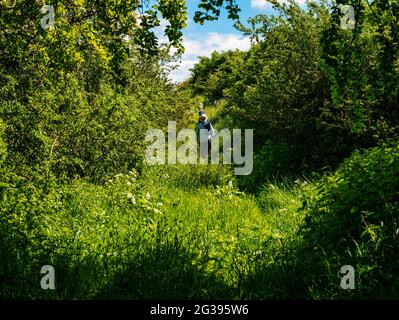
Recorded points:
(352, 219)
(73, 132)
(211, 76)
(3, 146)
(362, 68)
(355, 218)
(20, 200)
(279, 89)
(273, 163)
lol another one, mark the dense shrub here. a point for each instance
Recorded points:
(273, 162)
(354, 219)
(308, 85)
(73, 132)
(20, 201)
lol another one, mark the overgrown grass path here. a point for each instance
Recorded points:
(169, 232)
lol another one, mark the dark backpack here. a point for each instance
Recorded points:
(206, 123)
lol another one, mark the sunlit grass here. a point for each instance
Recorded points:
(187, 227)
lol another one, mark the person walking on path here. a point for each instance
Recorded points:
(204, 130)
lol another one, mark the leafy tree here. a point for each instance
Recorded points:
(362, 67)
(211, 76)
(308, 85)
(280, 90)
(106, 29)
(77, 97)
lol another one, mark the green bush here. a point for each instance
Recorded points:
(20, 201)
(349, 218)
(274, 162)
(354, 219)
(73, 132)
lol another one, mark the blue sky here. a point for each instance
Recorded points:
(217, 35)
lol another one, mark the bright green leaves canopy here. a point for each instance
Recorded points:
(105, 30)
(212, 76)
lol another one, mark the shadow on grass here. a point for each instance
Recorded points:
(164, 273)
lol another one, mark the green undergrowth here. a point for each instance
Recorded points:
(163, 234)
(188, 232)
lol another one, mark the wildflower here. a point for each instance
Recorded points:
(131, 198)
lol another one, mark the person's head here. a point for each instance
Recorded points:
(202, 115)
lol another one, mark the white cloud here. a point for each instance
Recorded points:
(260, 4)
(214, 41)
(160, 31)
(263, 4)
(204, 45)
(183, 72)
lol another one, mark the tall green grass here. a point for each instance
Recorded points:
(188, 232)
(171, 232)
